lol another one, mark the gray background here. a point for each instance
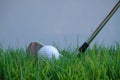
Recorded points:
(63, 22)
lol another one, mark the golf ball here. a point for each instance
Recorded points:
(49, 52)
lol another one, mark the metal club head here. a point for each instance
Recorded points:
(33, 48)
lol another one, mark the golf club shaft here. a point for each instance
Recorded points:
(103, 23)
(86, 44)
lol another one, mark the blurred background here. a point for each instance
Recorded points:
(61, 22)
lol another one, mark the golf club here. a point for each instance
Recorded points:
(33, 48)
(85, 45)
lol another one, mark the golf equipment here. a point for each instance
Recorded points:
(33, 48)
(85, 45)
(49, 52)
(37, 50)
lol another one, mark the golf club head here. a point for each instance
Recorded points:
(33, 48)
(83, 48)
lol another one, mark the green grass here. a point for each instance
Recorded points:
(97, 63)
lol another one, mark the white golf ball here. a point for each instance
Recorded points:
(49, 52)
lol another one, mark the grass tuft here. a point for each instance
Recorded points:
(96, 63)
